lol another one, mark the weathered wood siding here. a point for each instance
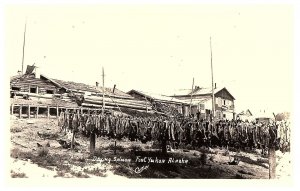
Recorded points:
(25, 83)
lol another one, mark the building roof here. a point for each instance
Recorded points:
(157, 97)
(246, 112)
(69, 85)
(199, 91)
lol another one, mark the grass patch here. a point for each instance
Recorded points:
(206, 150)
(18, 154)
(18, 175)
(79, 174)
(60, 174)
(113, 147)
(136, 147)
(96, 171)
(16, 129)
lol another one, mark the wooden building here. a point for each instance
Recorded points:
(202, 101)
(42, 96)
(245, 115)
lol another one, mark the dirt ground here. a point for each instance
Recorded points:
(37, 152)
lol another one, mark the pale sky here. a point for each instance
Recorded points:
(160, 48)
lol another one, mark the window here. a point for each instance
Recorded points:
(224, 102)
(49, 91)
(33, 90)
(15, 88)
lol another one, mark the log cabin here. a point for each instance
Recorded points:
(41, 96)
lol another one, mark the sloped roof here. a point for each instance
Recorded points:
(246, 112)
(157, 97)
(69, 85)
(199, 91)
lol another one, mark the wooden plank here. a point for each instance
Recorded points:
(37, 112)
(92, 143)
(57, 112)
(20, 111)
(28, 111)
(12, 109)
(48, 112)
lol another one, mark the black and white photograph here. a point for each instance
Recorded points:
(149, 91)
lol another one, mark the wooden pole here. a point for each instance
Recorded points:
(57, 111)
(28, 111)
(73, 135)
(191, 97)
(212, 85)
(20, 112)
(23, 49)
(164, 146)
(103, 101)
(48, 112)
(12, 109)
(92, 143)
(115, 151)
(272, 162)
(37, 112)
(272, 152)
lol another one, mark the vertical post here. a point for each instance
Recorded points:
(23, 48)
(115, 151)
(73, 133)
(191, 98)
(20, 111)
(164, 146)
(12, 109)
(272, 162)
(103, 101)
(57, 111)
(28, 111)
(92, 143)
(81, 110)
(212, 85)
(37, 112)
(48, 112)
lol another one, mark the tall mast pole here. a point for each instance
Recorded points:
(191, 97)
(23, 47)
(212, 84)
(103, 102)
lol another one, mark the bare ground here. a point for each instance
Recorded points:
(29, 160)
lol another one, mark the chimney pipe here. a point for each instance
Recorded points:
(97, 84)
(114, 88)
(215, 85)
